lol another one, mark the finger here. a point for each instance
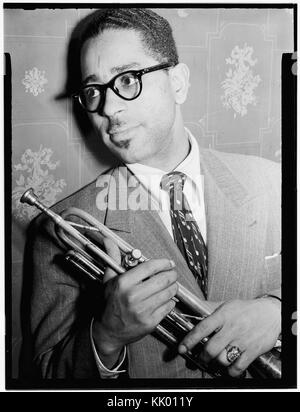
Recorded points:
(160, 313)
(214, 348)
(202, 330)
(113, 251)
(159, 299)
(145, 270)
(241, 364)
(223, 358)
(155, 284)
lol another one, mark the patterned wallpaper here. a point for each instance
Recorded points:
(234, 102)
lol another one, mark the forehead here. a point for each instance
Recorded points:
(113, 49)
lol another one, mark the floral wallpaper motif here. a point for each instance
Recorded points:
(240, 81)
(33, 171)
(34, 81)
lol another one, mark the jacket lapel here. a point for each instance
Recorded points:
(118, 216)
(156, 241)
(235, 223)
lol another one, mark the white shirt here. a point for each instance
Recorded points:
(150, 178)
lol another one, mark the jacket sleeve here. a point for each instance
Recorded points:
(62, 306)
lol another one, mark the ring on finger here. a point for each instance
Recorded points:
(232, 353)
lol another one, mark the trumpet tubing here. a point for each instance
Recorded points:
(87, 257)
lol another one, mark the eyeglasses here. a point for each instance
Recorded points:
(127, 85)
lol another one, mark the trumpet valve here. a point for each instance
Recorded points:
(132, 258)
(136, 254)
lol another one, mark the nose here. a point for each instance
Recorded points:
(113, 104)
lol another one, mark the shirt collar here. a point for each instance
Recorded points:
(191, 164)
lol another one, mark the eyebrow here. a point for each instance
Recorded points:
(114, 70)
(124, 67)
(90, 78)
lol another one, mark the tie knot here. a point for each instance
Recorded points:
(173, 180)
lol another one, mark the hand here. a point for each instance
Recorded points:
(135, 302)
(252, 325)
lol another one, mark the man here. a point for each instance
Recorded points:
(132, 88)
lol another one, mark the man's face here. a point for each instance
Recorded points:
(140, 130)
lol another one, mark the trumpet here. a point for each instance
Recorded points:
(88, 258)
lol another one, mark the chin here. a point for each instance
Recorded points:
(128, 153)
(124, 155)
(133, 157)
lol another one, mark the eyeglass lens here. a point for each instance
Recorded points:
(126, 86)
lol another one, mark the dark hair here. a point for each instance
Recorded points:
(155, 31)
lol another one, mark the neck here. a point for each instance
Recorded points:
(176, 149)
(171, 155)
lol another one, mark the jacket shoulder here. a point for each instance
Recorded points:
(251, 171)
(86, 195)
(84, 198)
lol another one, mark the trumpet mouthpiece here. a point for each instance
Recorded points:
(29, 197)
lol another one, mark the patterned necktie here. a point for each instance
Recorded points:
(187, 235)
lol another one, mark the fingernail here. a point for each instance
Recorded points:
(182, 349)
(172, 263)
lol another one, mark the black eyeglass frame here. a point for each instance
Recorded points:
(110, 85)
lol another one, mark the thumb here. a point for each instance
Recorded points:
(113, 251)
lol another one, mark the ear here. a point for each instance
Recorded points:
(179, 76)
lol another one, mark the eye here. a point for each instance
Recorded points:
(91, 93)
(127, 80)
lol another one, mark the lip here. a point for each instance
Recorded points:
(117, 131)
